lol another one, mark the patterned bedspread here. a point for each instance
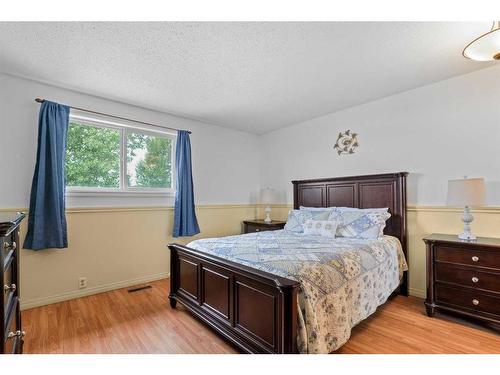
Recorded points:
(343, 280)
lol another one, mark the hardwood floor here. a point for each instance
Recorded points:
(143, 322)
(401, 326)
(119, 322)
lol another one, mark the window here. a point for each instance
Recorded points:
(105, 157)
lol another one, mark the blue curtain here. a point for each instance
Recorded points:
(47, 220)
(185, 223)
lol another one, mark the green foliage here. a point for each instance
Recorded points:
(153, 169)
(92, 156)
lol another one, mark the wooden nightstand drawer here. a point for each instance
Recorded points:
(252, 226)
(467, 276)
(470, 256)
(468, 299)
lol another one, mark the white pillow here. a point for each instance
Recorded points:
(323, 228)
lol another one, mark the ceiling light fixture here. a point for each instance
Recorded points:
(486, 47)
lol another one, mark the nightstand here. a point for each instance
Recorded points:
(251, 226)
(463, 276)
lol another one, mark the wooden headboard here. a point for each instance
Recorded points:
(370, 191)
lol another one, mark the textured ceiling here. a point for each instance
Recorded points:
(255, 77)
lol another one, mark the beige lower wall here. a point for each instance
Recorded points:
(422, 221)
(119, 247)
(113, 248)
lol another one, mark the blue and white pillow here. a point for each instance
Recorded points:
(323, 228)
(362, 223)
(297, 218)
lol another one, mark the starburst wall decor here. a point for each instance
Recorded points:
(346, 143)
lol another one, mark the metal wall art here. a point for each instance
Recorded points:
(346, 143)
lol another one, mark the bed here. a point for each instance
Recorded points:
(277, 292)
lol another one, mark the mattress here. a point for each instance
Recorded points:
(342, 280)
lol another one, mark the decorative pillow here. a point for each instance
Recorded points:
(323, 228)
(367, 224)
(297, 218)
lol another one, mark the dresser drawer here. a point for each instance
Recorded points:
(13, 343)
(471, 257)
(11, 340)
(468, 299)
(8, 286)
(9, 243)
(468, 276)
(8, 247)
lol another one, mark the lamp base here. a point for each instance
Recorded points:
(467, 218)
(268, 215)
(467, 236)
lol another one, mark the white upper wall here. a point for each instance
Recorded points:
(225, 170)
(437, 132)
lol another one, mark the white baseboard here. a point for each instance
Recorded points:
(417, 292)
(42, 301)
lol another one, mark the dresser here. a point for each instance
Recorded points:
(463, 276)
(251, 226)
(12, 334)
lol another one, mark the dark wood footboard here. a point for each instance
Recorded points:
(255, 310)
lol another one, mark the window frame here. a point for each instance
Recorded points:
(124, 128)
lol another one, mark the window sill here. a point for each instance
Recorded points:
(93, 193)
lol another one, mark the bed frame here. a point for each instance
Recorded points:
(256, 310)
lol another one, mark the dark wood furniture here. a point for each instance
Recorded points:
(255, 310)
(463, 276)
(10, 315)
(251, 226)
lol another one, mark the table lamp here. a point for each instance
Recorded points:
(267, 198)
(466, 193)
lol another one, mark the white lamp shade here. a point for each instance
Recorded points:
(486, 47)
(466, 192)
(267, 196)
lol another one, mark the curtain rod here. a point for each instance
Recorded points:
(38, 100)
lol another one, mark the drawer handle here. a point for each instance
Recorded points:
(11, 287)
(11, 246)
(19, 334)
(475, 302)
(475, 279)
(475, 258)
(257, 230)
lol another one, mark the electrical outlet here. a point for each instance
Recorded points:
(82, 282)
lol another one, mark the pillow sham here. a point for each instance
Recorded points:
(303, 208)
(323, 228)
(344, 209)
(297, 218)
(366, 224)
